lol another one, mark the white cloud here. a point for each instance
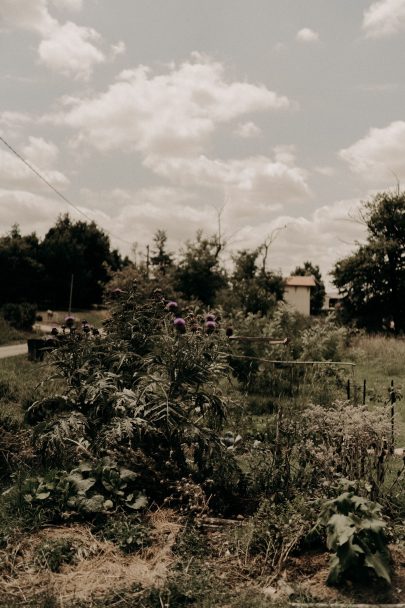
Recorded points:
(167, 114)
(31, 15)
(69, 50)
(257, 179)
(11, 122)
(40, 152)
(33, 212)
(379, 154)
(307, 35)
(323, 238)
(15, 175)
(72, 5)
(118, 49)
(384, 18)
(246, 130)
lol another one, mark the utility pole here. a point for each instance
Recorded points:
(71, 294)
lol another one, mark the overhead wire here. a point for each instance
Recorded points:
(60, 194)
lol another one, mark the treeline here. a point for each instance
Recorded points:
(39, 271)
(197, 273)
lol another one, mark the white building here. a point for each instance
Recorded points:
(297, 292)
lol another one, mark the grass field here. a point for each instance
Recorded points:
(93, 317)
(380, 360)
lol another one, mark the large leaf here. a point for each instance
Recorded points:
(340, 529)
(81, 485)
(379, 563)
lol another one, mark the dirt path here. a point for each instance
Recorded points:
(13, 350)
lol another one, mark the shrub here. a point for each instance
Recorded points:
(147, 399)
(20, 316)
(355, 532)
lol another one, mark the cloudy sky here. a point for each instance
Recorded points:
(150, 114)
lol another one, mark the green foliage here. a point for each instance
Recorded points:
(198, 274)
(9, 334)
(372, 279)
(145, 397)
(129, 531)
(258, 290)
(52, 554)
(87, 490)
(20, 316)
(80, 249)
(355, 532)
(276, 529)
(21, 270)
(160, 258)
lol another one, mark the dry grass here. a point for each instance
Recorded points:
(99, 566)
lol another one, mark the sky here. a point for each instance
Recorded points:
(278, 116)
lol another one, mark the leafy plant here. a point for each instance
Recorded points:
(355, 532)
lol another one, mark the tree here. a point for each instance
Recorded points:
(372, 279)
(317, 292)
(161, 259)
(21, 272)
(258, 290)
(199, 274)
(80, 249)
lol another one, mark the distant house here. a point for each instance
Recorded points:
(333, 299)
(297, 292)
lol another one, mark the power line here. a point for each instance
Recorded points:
(62, 196)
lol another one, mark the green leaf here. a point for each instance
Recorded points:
(42, 495)
(81, 485)
(335, 571)
(379, 564)
(95, 504)
(139, 503)
(127, 475)
(340, 529)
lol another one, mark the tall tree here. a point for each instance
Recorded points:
(317, 292)
(257, 289)
(80, 249)
(372, 279)
(21, 273)
(199, 273)
(161, 259)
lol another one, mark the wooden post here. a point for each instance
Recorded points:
(348, 389)
(364, 391)
(392, 400)
(71, 294)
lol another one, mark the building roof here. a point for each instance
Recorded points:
(298, 281)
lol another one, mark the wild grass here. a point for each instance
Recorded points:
(8, 334)
(19, 379)
(93, 317)
(379, 360)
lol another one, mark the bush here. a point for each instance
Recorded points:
(20, 316)
(355, 532)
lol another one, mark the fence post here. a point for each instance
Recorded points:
(393, 399)
(348, 389)
(364, 391)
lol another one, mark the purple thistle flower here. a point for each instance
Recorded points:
(180, 325)
(210, 327)
(69, 321)
(172, 306)
(210, 317)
